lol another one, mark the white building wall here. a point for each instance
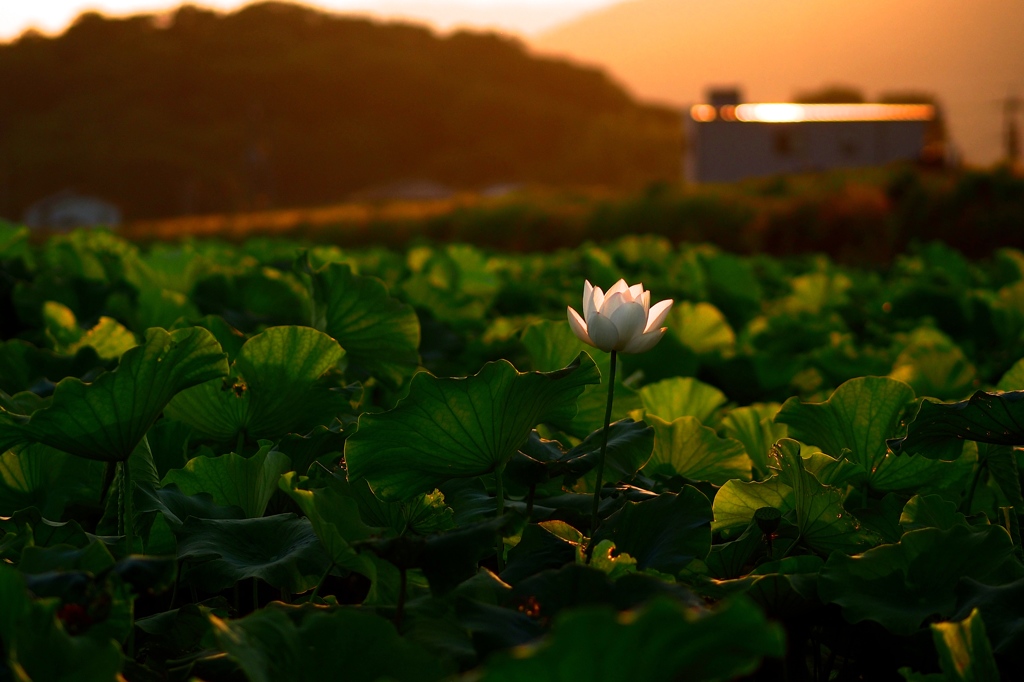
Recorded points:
(725, 151)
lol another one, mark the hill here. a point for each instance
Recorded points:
(967, 54)
(283, 105)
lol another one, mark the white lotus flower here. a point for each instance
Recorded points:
(620, 320)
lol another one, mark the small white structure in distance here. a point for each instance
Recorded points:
(728, 140)
(66, 210)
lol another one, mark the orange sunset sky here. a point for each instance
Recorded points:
(967, 53)
(515, 16)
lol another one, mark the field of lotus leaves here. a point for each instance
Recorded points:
(272, 461)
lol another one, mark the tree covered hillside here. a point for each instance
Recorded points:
(283, 105)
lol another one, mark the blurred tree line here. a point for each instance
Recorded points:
(282, 105)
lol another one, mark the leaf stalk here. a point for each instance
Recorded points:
(604, 449)
(125, 508)
(974, 485)
(499, 493)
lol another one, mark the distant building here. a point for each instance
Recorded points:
(728, 140)
(67, 209)
(407, 190)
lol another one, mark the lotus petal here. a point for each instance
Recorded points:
(644, 342)
(579, 327)
(603, 332)
(629, 320)
(658, 314)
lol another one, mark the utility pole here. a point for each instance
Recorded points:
(1011, 132)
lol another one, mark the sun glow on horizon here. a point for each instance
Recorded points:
(789, 112)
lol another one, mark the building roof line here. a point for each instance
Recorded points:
(791, 112)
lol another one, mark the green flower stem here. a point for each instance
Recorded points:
(499, 493)
(400, 607)
(125, 508)
(316, 590)
(978, 472)
(604, 447)
(240, 442)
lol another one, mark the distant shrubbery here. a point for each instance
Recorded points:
(853, 216)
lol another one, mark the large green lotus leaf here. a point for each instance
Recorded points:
(170, 442)
(681, 397)
(934, 366)
(245, 482)
(177, 507)
(754, 427)
(736, 502)
(38, 648)
(380, 334)
(22, 365)
(1000, 604)
(282, 550)
(660, 641)
(541, 547)
(276, 644)
(815, 292)
(930, 511)
(783, 588)
(938, 428)
(250, 299)
(104, 598)
(630, 445)
(116, 510)
(824, 525)
(902, 585)
(452, 428)
(280, 383)
(229, 338)
(701, 327)
(607, 558)
(732, 286)
(854, 423)
(830, 471)
(1013, 380)
(490, 628)
(93, 558)
(158, 307)
(729, 560)
(60, 326)
(1001, 461)
(456, 283)
(688, 448)
(180, 631)
(882, 516)
(551, 346)
(33, 528)
(450, 558)
(24, 403)
(336, 521)
(105, 420)
(39, 476)
(109, 338)
(664, 533)
(322, 443)
(965, 654)
(421, 515)
(14, 241)
(93, 254)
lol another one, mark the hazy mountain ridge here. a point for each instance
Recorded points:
(967, 54)
(283, 104)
